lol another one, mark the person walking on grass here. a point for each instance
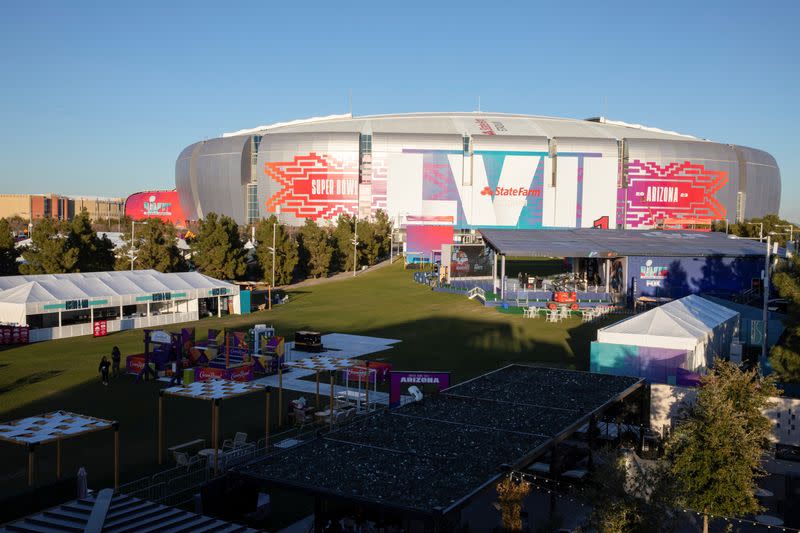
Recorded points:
(116, 356)
(105, 364)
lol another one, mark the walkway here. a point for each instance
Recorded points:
(336, 345)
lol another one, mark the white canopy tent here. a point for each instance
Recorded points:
(127, 299)
(703, 328)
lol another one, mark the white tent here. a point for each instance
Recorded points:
(703, 328)
(150, 297)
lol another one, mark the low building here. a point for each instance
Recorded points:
(57, 207)
(57, 306)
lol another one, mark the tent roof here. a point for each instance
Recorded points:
(691, 317)
(59, 287)
(591, 242)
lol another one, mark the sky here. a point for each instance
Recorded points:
(99, 98)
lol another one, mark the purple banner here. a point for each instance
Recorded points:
(401, 380)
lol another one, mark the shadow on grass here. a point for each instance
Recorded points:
(29, 380)
(465, 346)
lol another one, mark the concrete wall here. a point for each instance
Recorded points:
(667, 401)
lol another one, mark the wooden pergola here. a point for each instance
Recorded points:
(213, 391)
(55, 427)
(319, 364)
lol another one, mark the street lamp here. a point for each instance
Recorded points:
(355, 244)
(760, 229)
(131, 251)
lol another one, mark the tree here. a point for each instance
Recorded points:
(626, 496)
(154, 247)
(94, 253)
(785, 357)
(343, 237)
(217, 250)
(752, 228)
(8, 250)
(286, 255)
(510, 495)
(48, 252)
(316, 249)
(716, 452)
(369, 244)
(383, 232)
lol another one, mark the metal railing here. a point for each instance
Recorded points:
(179, 484)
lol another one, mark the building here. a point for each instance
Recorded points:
(57, 306)
(56, 207)
(476, 170)
(640, 266)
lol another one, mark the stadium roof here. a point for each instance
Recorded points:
(469, 123)
(120, 513)
(43, 288)
(431, 457)
(591, 242)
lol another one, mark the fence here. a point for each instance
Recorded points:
(178, 485)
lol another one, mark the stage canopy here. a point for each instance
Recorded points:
(433, 456)
(591, 242)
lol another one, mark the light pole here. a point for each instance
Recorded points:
(760, 230)
(355, 244)
(133, 241)
(274, 229)
(765, 311)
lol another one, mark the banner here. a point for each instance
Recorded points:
(470, 261)
(100, 328)
(155, 204)
(403, 380)
(14, 334)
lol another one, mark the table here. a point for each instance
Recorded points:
(578, 474)
(763, 493)
(208, 453)
(769, 520)
(288, 443)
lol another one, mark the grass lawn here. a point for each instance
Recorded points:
(438, 331)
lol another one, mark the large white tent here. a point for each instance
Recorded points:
(702, 328)
(66, 305)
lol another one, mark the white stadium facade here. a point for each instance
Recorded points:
(476, 170)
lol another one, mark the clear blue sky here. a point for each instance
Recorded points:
(100, 97)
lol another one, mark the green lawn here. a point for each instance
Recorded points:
(438, 331)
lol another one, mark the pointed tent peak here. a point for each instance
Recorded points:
(689, 317)
(31, 291)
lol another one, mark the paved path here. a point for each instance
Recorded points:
(336, 345)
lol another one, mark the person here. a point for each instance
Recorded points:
(103, 369)
(177, 372)
(115, 359)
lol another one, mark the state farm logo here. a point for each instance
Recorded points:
(510, 191)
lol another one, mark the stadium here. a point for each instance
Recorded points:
(476, 170)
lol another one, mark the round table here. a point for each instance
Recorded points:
(763, 493)
(769, 520)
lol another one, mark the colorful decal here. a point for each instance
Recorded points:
(676, 190)
(425, 240)
(403, 380)
(314, 186)
(654, 275)
(155, 204)
(600, 223)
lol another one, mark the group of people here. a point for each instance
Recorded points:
(526, 281)
(113, 365)
(111, 369)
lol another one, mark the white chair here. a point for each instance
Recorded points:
(553, 316)
(564, 312)
(183, 459)
(239, 440)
